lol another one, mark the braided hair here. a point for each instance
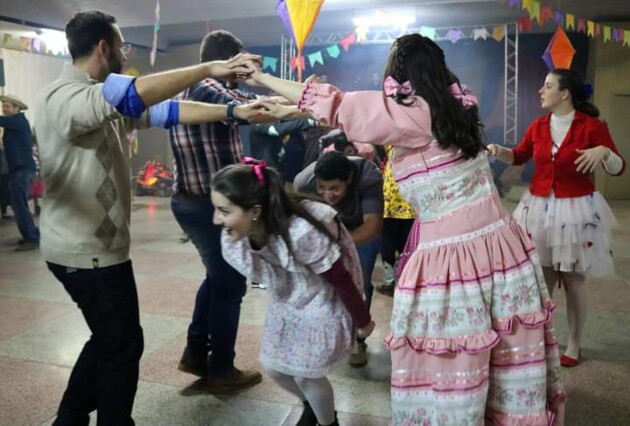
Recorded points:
(571, 81)
(420, 61)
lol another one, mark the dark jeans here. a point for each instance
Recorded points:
(218, 304)
(105, 376)
(368, 252)
(394, 234)
(19, 184)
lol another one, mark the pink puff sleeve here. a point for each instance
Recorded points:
(369, 116)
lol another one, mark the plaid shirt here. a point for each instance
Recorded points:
(203, 149)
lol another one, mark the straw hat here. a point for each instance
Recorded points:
(14, 100)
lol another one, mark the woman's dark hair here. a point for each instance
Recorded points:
(420, 61)
(219, 45)
(86, 29)
(571, 81)
(240, 184)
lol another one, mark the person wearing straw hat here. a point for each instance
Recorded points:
(18, 141)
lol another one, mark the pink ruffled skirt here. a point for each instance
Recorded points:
(472, 339)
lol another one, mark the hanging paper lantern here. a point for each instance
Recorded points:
(301, 15)
(559, 53)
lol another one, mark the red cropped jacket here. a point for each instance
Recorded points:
(560, 174)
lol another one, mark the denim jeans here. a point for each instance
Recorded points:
(105, 376)
(218, 303)
(19, 184)
(368, 252)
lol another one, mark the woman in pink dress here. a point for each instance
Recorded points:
(307, 258)
(471, 331)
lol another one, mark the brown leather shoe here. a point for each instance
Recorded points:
(192, 365)
(238, 380)
(358, 358)
(27, 246)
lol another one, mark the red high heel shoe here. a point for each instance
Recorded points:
(567, 361)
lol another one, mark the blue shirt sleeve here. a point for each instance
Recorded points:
(165, 114)
(120, 92)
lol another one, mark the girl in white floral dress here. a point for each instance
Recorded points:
(307, 257)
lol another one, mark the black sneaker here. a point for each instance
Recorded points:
(308, 417)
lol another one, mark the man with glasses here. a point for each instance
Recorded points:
(354, 187)
(81, 120)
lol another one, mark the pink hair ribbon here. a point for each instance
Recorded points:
(393, 88)
(257, 166)
(464, 94)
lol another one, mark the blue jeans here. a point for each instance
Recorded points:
(218, 304)
(19, 183)
(368, 252)
(105, 376)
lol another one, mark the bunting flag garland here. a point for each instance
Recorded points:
(542, 12)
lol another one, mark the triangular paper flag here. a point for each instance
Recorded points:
(428, 32)
(297, 62)
(570, 21)
(525, 24)
(7, 38)
(591, 28)
(454, 35)
(315, 58)
(534, 11)
(558, 18)
(606, 33)
(498, 32)
(626, 38)
(480, 33)
(269, 62)
(347, 41)
(333, 50)
(361, 32)
(581, 26)
(598, 30)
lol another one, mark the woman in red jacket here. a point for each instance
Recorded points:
(567, 219)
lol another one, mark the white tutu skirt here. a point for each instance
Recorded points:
(570, 234)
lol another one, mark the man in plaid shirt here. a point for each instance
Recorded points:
(200, 151)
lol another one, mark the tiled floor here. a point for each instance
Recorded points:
(41, 333)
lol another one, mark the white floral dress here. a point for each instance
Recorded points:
(307, 329)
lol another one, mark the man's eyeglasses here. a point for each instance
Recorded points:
(126, 48)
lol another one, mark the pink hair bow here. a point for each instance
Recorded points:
(394, 88)
(464, 94)
(257, 166)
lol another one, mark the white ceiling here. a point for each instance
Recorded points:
(256, 22)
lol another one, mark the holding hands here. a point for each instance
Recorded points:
(238, 67)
